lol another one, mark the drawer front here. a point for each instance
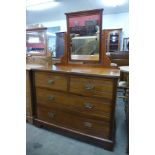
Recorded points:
(93, 87)
(87, 126)
(51, 80)
(91, 107)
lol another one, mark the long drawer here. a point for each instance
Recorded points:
(51, 80)
(87, 126)
(91, 107)
(94, 87)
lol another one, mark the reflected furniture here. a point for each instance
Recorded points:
(77, 97)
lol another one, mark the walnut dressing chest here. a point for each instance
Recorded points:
(76, 101)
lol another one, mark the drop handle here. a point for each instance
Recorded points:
(88, 105)
(50, 114)
(50, 98)
(88, 124)
(50, 82)
(89, 87)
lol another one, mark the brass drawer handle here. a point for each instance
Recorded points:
(50, 82)
(88, 124)
(89, 87)
(50, 98)
(50, 114)
(88, 105)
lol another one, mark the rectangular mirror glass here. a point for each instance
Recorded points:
(84, 35)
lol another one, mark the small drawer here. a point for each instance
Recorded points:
(86, 106)
(94, 87)
(84, 125)
(51, 80)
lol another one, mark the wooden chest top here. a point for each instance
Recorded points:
(83, 70)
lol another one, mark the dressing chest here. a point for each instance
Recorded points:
(77, 96)
(79, 101)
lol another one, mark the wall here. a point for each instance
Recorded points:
(117, 21)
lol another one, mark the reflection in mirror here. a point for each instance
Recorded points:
(84, 36)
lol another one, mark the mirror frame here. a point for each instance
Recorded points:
(84, 13)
